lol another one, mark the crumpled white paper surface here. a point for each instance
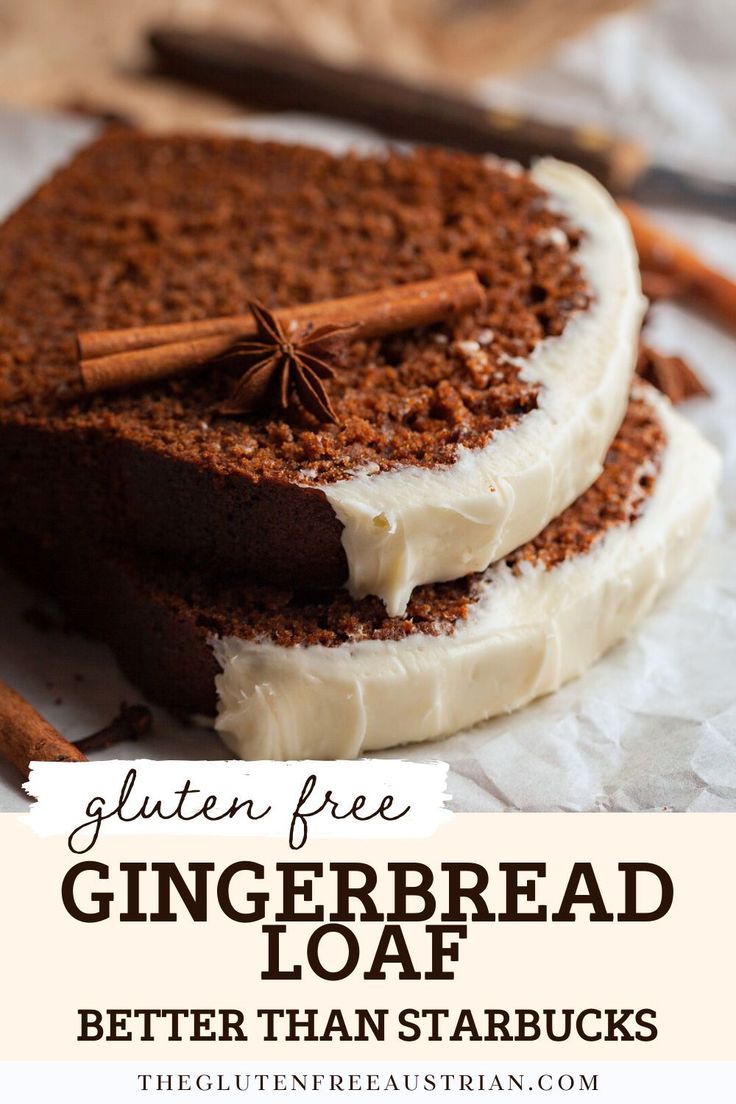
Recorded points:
(652, 726)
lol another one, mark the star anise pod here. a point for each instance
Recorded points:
(280, 365)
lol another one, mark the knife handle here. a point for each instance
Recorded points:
(616, 162)
(276, 78)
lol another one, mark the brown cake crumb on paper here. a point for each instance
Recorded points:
(671, 375)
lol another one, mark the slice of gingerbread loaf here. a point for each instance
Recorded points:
(294, 674)
(443, 447)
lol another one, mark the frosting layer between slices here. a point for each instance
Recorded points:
(530, 631)
(417, 525)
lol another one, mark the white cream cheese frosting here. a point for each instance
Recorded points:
(525, 636)
(420, 525)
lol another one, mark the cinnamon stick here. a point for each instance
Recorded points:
(149, 364)
(692, 282)
(26, 736)
(113, 359)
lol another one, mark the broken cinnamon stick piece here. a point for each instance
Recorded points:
(113, 359)
(25, 736)
(658, 286)
(693, 282)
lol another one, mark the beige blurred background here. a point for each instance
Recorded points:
(91, 53)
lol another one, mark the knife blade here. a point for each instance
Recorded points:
(272, 77)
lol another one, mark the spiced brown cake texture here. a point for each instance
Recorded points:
(141, 229)
(160, 621)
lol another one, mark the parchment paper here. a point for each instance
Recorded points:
(653, 726)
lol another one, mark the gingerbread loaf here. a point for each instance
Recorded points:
(295, 674)
(452, 443)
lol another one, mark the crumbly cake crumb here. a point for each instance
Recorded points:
(157, 229)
